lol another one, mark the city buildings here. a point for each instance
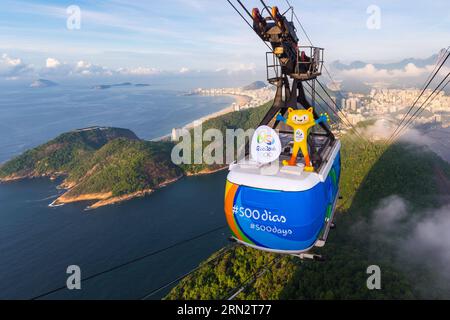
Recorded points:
(394, 103)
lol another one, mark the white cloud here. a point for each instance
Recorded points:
(89, 69)
(11, 61)
(370, 72)
(13, 68)
(420, 238)
(415, 137)
(381, 129)
(389, 213)
(139, 71)
(52, 63)
(408, 74)
(238, 68)
(430, 240)
(53, 68)
(184, 70)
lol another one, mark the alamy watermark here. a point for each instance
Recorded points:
(74, 280)
(374, 19)
(211, 146)
(73, 21)
(374, 280)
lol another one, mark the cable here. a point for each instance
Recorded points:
(298, 20)
(134, 260)
(343, 114)
(326, 103)
(423, 106)
(322, 108)
(233, 293)
(348, 126)
(394, 134)
(339, 121)
(309, 39)
(328, 73)
(420, 110)
(178, 279)
(248, 23)
(423, 88)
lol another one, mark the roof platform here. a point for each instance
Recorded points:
(277, 177)
(309, 65)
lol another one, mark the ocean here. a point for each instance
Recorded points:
(38, 243)
(32, 116)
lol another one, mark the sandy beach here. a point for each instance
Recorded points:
(241, 100)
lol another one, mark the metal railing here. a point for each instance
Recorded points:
(273, 68)
(309, 64)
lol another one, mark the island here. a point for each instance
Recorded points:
(117, 85)
(43, 83)
(103, 164)
(108, 165)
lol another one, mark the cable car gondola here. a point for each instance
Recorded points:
(278, 199)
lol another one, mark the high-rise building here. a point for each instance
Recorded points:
(175, 134)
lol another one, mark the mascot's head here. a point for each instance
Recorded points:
(300, 117)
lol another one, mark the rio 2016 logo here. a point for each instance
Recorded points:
(266, 138)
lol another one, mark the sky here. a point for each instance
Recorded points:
(182, 36)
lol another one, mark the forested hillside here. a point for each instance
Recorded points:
(370, 174)
(103, 164)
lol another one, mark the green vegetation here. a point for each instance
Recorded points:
(246, 119)
(124, 167)
(370, 174)
(104, 160)
(62, 153)
(115, 160)
(98, 160)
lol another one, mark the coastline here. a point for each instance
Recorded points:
(104, 200)
(241, 100)
(107, 198)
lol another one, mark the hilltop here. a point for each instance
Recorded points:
(255, 86)
(109, 165)
(103, 164)
(43, 83)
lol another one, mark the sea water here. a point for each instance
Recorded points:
(32, 116)
(38, 243)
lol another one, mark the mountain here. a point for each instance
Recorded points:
(42, 83)
(255, 86)
(103, 164)
(109, 165)
(420, 63)
(362, 76)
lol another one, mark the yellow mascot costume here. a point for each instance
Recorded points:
(301, 121)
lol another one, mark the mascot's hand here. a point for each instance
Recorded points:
(324, 117)
(280, 118)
